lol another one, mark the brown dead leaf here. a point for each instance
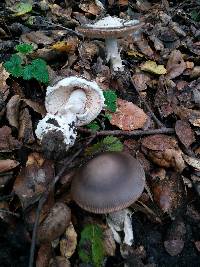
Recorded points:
(36, 106)
(174, 247)
(175, 65)
(184, 133)
(197, 245)
(7, 164)
(59, 261)
(33, 179)
(140, 81)
(7, 141)
(36, 37)
(109, 242)
(68, 46)
(26, 127)
(194, 162)
(164, 151)
(128, 116)
(90, 7)
(142, 43)
(3, 85)
(68, 242)
(12, 111)
(44, 255)
(55, 223)
(168, 192)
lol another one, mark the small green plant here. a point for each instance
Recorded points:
(109, 143)
(111, 106)
(110, 100)
(17, 65)
(90, 248)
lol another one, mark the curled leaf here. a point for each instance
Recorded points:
(152, 67)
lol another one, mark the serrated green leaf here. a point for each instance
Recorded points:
(24, 48)
(40, 71)
(94, 126)
(110, 100)
(21, 8)
(14, 66)
(27, 72)
(90, 247)
(109, 143)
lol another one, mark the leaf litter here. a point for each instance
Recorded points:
(160, 82)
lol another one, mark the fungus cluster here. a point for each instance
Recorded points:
(70, 103)
(110, 29)
(109, 183)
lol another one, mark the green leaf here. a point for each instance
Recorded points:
(94, 126)
(38, 70)
(28, 72)
(110, 100)
(24, 48)
(90, 247)
(14, 66)
(21, 8)
(195, 15)
(109, 143)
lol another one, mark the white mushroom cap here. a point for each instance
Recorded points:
(58, 95)
(56, 123)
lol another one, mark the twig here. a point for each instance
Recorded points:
(10, 213)
(44, 196)
(129, 133)
(67, 29)
(157, 121)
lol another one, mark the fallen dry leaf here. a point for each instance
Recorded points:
(128, 116)
(7, 164)
(7, 141)
(163, 150)
(59, 261)
(140, 81)
(175, 65)
(168, 192)
(55, 223)
(33, 179)
(174, 247)
(184, 133)
(25, 127)
(141, 42)
(3, 85)
(12, 111)
(44, 255)
(109, 242)
(90, 7)
(36, 37)
(68, 46)
(152, 67)
(68, 242)
(194, 162)
(36, 106)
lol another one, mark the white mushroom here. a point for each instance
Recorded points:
(111, 28)
(72, 102)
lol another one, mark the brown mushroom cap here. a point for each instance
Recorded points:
(109, 182)
(110, 32)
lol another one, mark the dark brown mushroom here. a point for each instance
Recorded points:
(109, 182)
(111, 28)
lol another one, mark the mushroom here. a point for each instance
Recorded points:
(109, 183)
(71, 102)
(110, 29)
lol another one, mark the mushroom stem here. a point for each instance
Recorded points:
(121, 221)
(113, 54)
(76, 102)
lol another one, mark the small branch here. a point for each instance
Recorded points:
(9, 213)
(129, 133)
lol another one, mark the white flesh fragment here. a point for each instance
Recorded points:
(121, 221)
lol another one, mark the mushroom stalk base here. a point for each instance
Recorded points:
(113, 54)
(121, 221)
